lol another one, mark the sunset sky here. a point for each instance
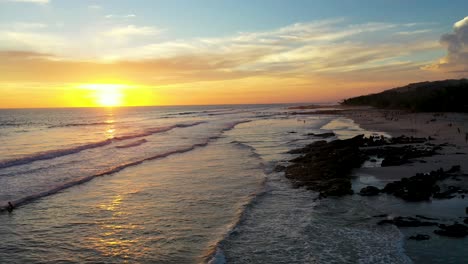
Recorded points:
(61, 53)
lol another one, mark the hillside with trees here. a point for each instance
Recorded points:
(438, 96)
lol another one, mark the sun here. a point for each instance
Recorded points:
(107, 95)
(109, 98)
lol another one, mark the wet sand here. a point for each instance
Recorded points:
(444, 128)
(450, 129)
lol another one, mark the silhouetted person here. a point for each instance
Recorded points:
(10, 207)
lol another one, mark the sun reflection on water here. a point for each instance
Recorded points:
(115, 237)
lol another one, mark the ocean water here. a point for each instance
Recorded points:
(175, 185)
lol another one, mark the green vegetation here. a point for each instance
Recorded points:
(439, 96)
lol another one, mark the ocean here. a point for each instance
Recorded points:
(192, 184)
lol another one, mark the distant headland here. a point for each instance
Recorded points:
(437, 96)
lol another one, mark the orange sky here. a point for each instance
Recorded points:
(119, 63)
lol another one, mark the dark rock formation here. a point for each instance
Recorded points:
(422, 186)
(406, 222)
(420, 237)
(326, 167)
(425, 217)
(369, 191)
(323, 135)
(279, 168)
(455, 230)
(380, 215)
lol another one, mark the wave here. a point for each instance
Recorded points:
(234, 124)
(133, 144)
(30, 198)
(248, 147)
(33, 197)
(83, 124)
(12, 124)
(73, 150)
(220, 111)
(152, 131)
(52, 154)
(215, 253)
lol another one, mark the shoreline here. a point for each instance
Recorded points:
(426, 218)
(442, 128)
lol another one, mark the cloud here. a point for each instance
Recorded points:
(456, 43)
(120, 16)
(31, 41)
(305, 52)
(28, 26)
(132, 30)
(420, 31)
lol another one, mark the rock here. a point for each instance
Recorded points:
(326, 166)
(466, 220)
(323, 135)
(391, 160)
(425, 217)
(406, 222)
(420, 237)
(369, 191)
(422, 187)
(455, 230)
(454, 169)
(398, 155)
(381, 215)
(279, 168)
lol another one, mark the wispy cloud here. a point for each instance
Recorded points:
(305, 52)
(120, 16)
(414, 32)
(132, 30)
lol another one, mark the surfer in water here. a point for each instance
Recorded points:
(10, 207)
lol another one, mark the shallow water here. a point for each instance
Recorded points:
(176, 185)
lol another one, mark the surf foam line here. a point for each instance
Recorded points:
(36, 196)
(73, 150)
(30, 198)
(84, 124)
(215, 253)
(133, 144)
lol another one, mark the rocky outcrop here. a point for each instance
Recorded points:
(422, 186)
(420, 237)
(401, 221)
(323, 135)
(455, 230)
(326, 167)
(369, 191)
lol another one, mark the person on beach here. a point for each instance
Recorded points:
(10, 207)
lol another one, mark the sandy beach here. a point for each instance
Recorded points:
(408, 168)
(450, 129)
